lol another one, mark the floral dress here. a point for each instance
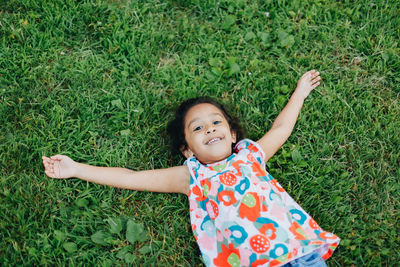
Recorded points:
(241, 216)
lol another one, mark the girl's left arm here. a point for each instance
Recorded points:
(284, 123)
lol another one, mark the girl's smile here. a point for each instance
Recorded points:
(207, 134)
(214, 140)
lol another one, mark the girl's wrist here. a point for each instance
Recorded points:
(299, 95)
(77, 169)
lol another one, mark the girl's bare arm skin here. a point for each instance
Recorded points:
(284, 123)
(170, 180)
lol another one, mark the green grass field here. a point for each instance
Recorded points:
(98, 80)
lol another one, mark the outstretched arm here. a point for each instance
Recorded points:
(170, 180)
(284, 123)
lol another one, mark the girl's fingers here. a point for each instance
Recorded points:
(315, 85)
(45, 159)
(316, 79)
(57, 157)
(49, 173)
(48, 166)
(313, 73)
(308, 75)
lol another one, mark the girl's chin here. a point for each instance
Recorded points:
(215, 158)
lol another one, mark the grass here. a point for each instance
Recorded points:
(97, 80)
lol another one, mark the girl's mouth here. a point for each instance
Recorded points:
(213, 140)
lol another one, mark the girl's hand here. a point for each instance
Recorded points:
(307, 83)
(59, 166)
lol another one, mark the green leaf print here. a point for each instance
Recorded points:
(249, 200)
(219, 168)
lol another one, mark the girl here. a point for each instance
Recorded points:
(239, 213)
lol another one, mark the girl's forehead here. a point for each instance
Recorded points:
(202, 110)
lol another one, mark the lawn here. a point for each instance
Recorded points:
(98, 80)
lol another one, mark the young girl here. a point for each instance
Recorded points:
(239, 213)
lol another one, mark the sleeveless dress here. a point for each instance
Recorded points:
(241, 216)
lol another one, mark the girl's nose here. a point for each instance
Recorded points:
(210, 129)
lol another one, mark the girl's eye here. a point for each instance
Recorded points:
(198, 128)
(217, 122)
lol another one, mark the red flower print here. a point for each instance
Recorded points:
(205, 182)
(228, 179)
(277, 185)
(227, 197)
(212, 209)
(313, 224)
(252, 147)
(259, 243)
(298, 232)
(257, 169)
(326, 235)
(222, 258)
(237, 167)
(250, 207)
(327, 255)
(269, 231)
(330, 251)
(206, 186)
(274, 263)
(198, 193)
(251, 158)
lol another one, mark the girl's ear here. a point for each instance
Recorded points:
(187, 153)
(233, 133)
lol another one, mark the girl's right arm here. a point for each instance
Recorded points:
(170, 180)
(284, 123)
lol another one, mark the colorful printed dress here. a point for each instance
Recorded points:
(241, 216)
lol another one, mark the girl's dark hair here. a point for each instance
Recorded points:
(176, 128)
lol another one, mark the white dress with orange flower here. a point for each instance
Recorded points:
(241, 216)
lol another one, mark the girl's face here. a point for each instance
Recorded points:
(207, 134)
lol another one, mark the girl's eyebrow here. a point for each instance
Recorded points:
(197, 118)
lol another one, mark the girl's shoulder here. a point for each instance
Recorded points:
(251, 147)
